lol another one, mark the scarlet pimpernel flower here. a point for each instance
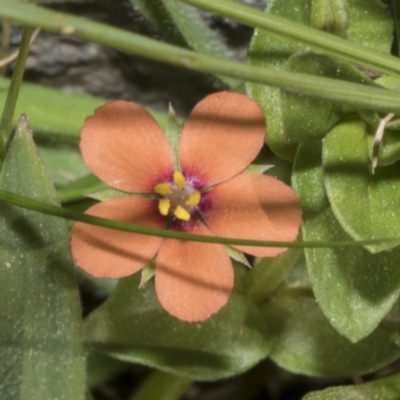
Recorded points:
(125, 147)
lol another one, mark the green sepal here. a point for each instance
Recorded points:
(147, 273)
(238, 256)
(173, 133)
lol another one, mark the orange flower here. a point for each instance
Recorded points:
(125, 147)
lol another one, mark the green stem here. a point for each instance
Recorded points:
(49, 209)
(162, 386)
(13, 91)
(362, 96)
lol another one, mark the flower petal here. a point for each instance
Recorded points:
(125, 147)
(193, 280)
(104, 252)
(257, 207)
(222, 135)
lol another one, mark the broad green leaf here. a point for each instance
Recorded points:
(354, 288)
(381, 389)
(370, 24)
(306, 343)
(307, 117)
(367, 205)
(40, 341)
(132, 326)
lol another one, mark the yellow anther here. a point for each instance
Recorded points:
(163, 188)
(179, 180)
(193, 199)
(181, 213)
(164, 206)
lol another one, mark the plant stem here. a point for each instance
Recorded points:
(162, 386)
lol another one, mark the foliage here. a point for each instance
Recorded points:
(332, 312)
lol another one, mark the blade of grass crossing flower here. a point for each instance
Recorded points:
(335, 90)
(70, 214)
(40, 317)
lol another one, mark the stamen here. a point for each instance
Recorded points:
(177, 199)
(193, 199)
(181, 213)
(163, 188)
(164, 206)
(179, 180)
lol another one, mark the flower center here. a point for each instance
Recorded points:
(178, 198)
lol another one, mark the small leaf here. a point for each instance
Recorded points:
(367, 206)
(380, 389)
(307, 117)
(306, 343)
(40, 318)
(132, 326)
(355, 289)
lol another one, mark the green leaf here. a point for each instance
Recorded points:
(355, 289)
(132, 326)
(40, 343)
(306, 117)
(370, 25)
(366, 205)
(293, 117)
(306, 343)
(381, 389)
